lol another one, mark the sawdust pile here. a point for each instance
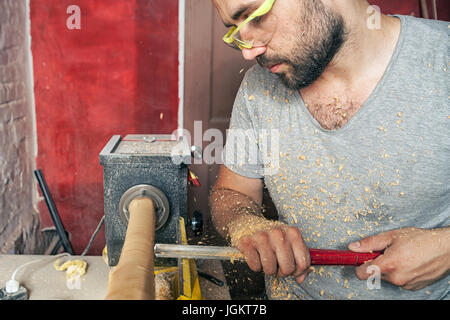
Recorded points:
(163, 286)
(74, 268)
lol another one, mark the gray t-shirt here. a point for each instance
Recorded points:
(387, 168)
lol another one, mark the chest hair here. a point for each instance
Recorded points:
(333, 114)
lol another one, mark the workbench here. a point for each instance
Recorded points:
(44, 282)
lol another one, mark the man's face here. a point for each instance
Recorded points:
(307, 37)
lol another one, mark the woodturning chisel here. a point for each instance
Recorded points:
(318, 256)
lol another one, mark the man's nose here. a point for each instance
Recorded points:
(250, 54)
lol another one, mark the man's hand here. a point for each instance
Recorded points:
(279, 251)
(412, 258)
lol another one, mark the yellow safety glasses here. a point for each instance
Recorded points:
(258, 33)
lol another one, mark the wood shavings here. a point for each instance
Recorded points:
(235, 256)
(280, 290)
(73, 268)
(321, 271)
(248, 225)
(163, 286)
(346, 285)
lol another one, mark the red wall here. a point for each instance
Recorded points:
(116, 75)
(406, 7)
(412, 7)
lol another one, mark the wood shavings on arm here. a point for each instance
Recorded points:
(248, 225)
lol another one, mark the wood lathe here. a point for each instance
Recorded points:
(145, 194)
(145, 180)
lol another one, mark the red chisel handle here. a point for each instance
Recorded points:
(340, 257)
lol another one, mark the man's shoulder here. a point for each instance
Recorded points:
(425, 40)
(427, 25)
(259, 83)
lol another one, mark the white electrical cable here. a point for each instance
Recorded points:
(13, 285)
(30, 262)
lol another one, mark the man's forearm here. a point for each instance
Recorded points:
(227, 206)
(235, 215)
(444, 238)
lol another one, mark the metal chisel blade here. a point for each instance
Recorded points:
(197, 252)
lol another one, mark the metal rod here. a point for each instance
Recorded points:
(197, 252)
(53, 212)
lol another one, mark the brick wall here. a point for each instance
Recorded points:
(19, 220)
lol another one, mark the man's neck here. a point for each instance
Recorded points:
(353, 74)
(363, 57)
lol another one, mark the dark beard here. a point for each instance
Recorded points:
(308, 66)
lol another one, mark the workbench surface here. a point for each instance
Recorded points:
(43, 282)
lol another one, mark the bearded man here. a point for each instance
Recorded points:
(358, 119)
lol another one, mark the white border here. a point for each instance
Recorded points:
(32, 105)
(181, 44)
(30, 78)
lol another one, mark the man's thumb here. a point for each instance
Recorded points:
(374, 243)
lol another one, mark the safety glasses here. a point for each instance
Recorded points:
(259, 29)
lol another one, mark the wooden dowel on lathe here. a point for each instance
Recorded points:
(133, 278)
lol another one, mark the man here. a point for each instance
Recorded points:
(362, 120)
